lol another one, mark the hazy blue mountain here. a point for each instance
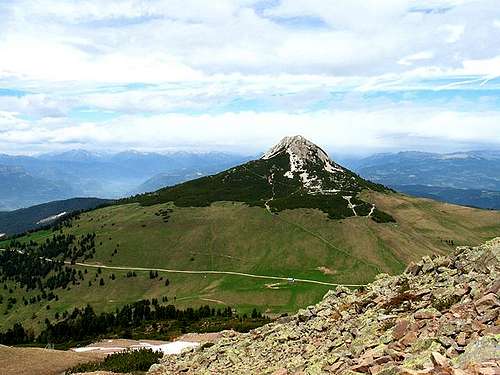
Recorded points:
(465, 197)
(73, 155)
(55, 176)
(478, 170)
(25, 219)
(467, 178)
(19, 188)
(167, 179)
(83, 173)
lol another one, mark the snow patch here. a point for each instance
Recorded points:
(455, 156)
(51, 218)
(175, 347)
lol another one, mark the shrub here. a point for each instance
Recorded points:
(129, 361)
(445, 303)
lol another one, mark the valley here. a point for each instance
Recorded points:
(232, 237)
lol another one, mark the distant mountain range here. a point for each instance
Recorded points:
(467, 178)
(30, 180)
(464, 197)
(26, 219)
(19, 188)
(465, 170)
(167, 179)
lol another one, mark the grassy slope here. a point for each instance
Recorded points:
(234, 237)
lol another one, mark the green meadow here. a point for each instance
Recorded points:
(227, 236)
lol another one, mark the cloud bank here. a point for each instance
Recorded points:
(356, 75)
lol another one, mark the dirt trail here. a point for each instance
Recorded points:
(350, 205)
(209, 272)
(202, 272)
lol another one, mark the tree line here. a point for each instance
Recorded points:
(84, 324)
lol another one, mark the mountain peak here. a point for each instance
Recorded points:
(307, 160)
(294, 144)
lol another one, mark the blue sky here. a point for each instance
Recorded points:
(356, 76)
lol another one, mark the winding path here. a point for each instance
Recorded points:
(201, 272)
(209, 272)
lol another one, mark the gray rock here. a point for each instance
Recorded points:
(482, 349)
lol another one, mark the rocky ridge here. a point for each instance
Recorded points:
(441, 316)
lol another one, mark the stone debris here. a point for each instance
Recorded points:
(441, 316)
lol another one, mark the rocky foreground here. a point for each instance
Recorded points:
(440, 317)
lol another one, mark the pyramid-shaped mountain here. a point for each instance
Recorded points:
(295, 173)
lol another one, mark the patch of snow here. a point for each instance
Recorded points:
(99, 349)
(2, 235)
(175, 347)
(330, 191)
(312, 183)
(51, 218)
(289, 174)
(331, 168)
(455, 156)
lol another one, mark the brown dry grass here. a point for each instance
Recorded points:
(29, 361)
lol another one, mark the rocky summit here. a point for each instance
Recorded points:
(316, 172)
(441, 316)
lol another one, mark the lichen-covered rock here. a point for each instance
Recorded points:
(483, 349)
(440, 317)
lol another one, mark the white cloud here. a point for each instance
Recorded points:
(127, 40)
(487, 67)
(454, 32)
(409, 60)
(342, 131)
(284, 60)
(361, 15)
(50, 61)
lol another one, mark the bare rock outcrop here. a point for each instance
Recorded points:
(441, 316)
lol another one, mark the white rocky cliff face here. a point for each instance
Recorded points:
(304, 155)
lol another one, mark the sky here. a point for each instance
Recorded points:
(355, 76)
